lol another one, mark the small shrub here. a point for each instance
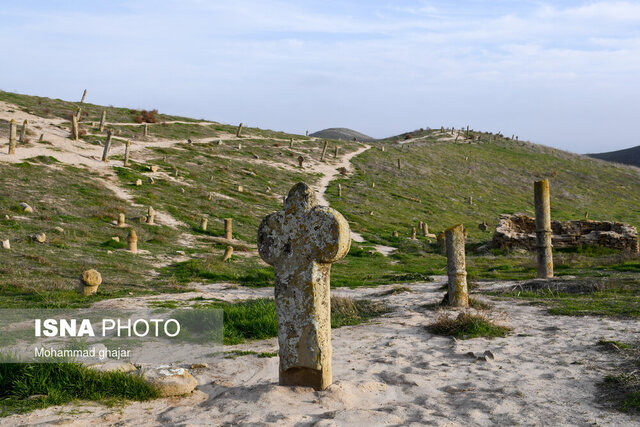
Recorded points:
(467, 326)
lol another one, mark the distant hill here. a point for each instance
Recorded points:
(342, 134)
(628, 156)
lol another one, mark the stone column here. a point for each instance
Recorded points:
(456, 269)
(133, 241)
(84, 94)
(301, 242)
(127, 148)
(107, 147)
(300, 161)
(543, 228)
(203, 224)
(413, 233)
(290, 142)
(227, 254)
(145, 131)
(399, 167)
(121, 222)
(228, 228)
(12, 137)
(102, 120)
(335, 153)
(74, 128)
(339, 190)
(23, 131)
(239, 131)
(442, 240)
(41, 138)
(151, 215)
(324, 150)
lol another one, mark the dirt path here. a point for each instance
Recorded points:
(391, 371)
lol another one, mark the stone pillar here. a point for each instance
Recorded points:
(306, 133)
(74, 128)
(102, 120)
(203, 224)
(442, 241)
(121, 222)
(12, 137)
(420, 225)
(151, 215)
(133, 241)
(228, 228)
(395, 233)
(41, 138)
(373, 184)
(239, 131)
(145, 131)
(335, 153)
(543, 228)
(324, 150)
(339, 190)
(290, 142)
(413, 233)
(301, 242)
(107, 147)
(84, 94)
(227, 254)
(127, 148)
(23, 131)
(399, 167)
(456, 269)
(470, 200)
(425, 229)
(300, 161)
(79, 113)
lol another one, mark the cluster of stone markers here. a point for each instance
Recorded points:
(304, 239)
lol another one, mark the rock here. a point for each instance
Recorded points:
(138, 182)
(40, 238)
(483, 226)
(154, 168)
(151, 180)
(517, 231)
(171, 381)
(26, 208)
(115, 239)
(59, 229)
(199, 366)
(240, 189)
(6, 244)
(113, 366)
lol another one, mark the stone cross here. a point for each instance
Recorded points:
(301, 242)
(228, 228)
(102, 120)
(127, 147)
(12, 137)
(107, 147)
(456, 269)
(239, 131)
(543, 228)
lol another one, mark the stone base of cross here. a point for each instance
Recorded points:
(301, 242)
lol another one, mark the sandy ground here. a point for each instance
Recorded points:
(393, 372)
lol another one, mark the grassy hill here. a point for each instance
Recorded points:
(342, 134)
(629, 156)
(436, 178)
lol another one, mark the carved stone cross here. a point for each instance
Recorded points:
(301, 242)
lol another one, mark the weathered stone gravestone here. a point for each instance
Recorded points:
(301, 242)
(456, 268)
(543, 228)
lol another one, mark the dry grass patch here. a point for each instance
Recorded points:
(466, 326)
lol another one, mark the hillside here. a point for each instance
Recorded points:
(628, 156)
(70, 189)
(342, 134)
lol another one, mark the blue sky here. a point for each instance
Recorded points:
(565, 74)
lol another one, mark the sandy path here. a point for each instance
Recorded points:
(393, 372)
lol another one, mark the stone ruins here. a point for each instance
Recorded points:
(301, 242)
(543, 228)
(517, 231)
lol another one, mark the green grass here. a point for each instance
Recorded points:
(613, 344)
(610, 297)
(256, 319)
(60, 383)
(467, 326)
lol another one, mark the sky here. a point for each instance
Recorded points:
(561, 73)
